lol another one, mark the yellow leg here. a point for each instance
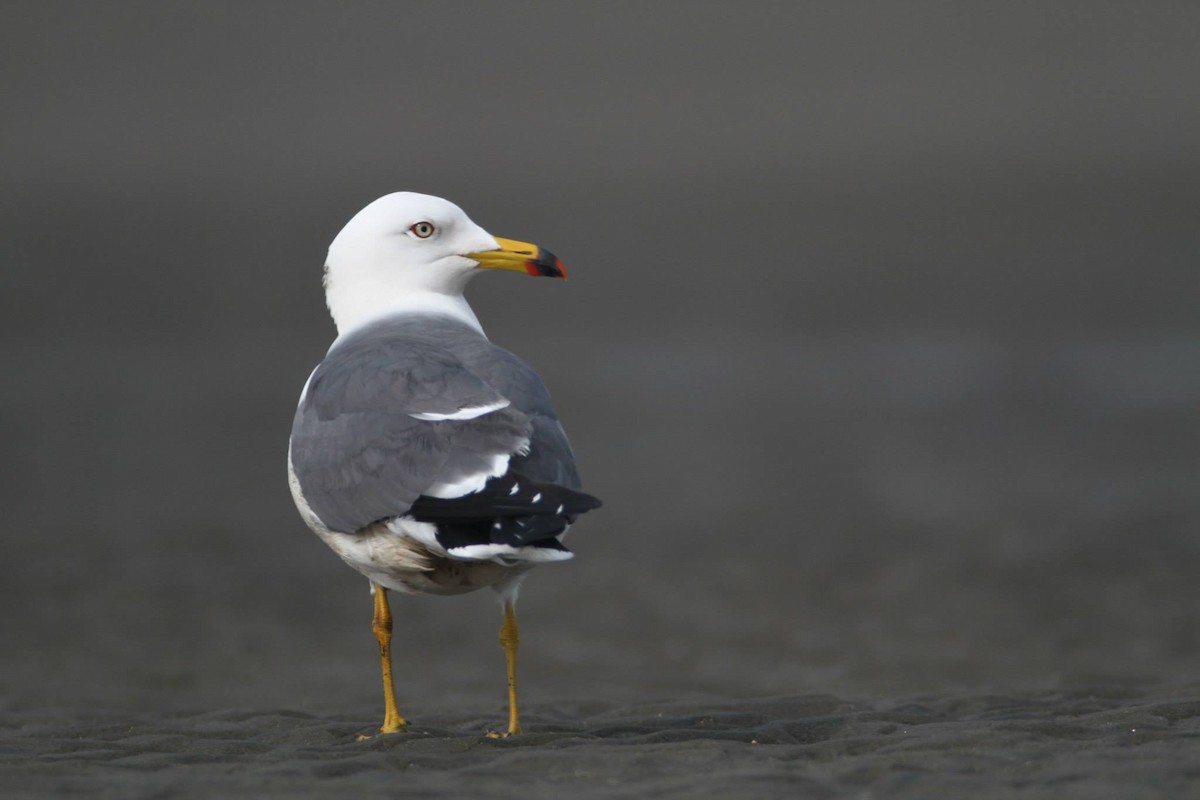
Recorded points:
(510, 638)
(381, 624)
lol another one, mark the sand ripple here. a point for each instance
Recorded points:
(1093, 742)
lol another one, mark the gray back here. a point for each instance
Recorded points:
(359, 454)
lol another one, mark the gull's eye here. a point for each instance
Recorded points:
(422, 230)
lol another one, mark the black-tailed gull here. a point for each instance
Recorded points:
(429, 459)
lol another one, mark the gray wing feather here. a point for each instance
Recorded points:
(550, 459)
(359, 454)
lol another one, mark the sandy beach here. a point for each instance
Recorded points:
(1094, 743)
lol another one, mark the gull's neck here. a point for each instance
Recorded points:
(418, 302)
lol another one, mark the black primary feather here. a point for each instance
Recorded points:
(510, 509)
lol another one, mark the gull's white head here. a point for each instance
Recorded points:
(414, 252)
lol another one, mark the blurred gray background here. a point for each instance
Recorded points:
(880, 343)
